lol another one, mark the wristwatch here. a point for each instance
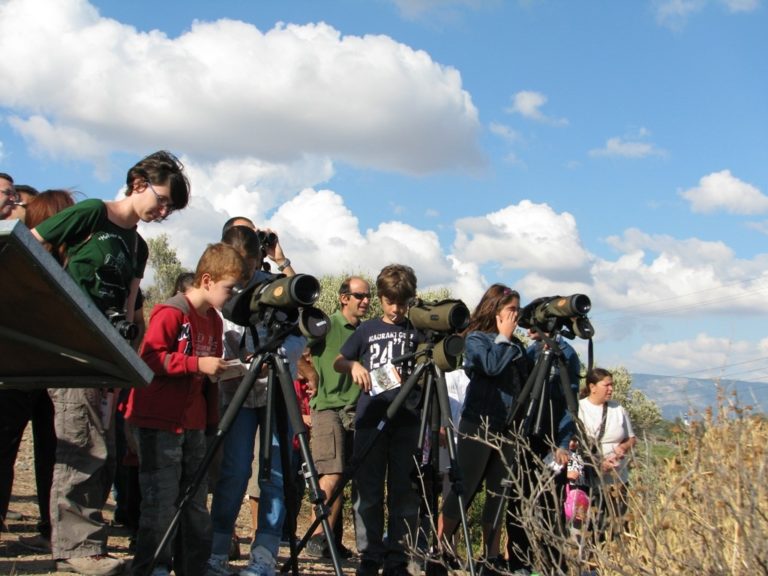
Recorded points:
(284, 265)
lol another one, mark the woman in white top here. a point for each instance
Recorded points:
(606, 423)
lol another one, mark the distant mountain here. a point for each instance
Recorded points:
(677, 396)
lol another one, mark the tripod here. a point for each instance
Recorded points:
(267, 355)
(536, 397)
(435, 389)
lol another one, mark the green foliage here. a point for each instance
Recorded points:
(166, 266)
(643, 412)
(328, 301)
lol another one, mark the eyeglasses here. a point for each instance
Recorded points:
(361, 295)
(11, 193)
(164, 202)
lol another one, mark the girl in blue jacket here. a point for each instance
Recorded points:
(495, 362)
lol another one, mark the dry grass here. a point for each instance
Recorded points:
(703, 511)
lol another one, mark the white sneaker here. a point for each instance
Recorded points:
(262, 563)
(218, 565)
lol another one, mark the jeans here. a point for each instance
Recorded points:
(168, 463)
(390, 460)
(237, 456)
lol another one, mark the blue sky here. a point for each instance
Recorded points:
(616, 149)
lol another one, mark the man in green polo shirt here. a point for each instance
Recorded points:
(333, 406)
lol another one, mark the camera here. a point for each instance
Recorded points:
(127, 330)
(567, 314)
(276, 298)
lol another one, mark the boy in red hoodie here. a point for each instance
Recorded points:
(183, 347)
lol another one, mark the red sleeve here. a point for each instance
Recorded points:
(165, 341)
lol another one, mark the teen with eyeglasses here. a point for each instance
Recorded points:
(105, 256)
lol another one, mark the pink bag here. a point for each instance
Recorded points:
(576, 503)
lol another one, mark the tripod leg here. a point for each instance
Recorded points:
(286, 456)
(429, 470)
(316, 495)
(454, 469)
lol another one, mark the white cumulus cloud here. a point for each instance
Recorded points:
(322, 236)
(667, 276)
(703, 356)
(523, 236)
(674, 14)
(88, 86)
(628, 147)
(722, 191)
(528, 104)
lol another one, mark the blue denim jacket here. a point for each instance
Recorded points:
(497, 369)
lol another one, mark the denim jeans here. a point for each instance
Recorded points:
(237, 456)
(168, 463)
(390, 460)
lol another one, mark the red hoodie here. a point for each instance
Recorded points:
(179, 397)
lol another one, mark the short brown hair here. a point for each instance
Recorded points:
(397, 282)
(219, 260)
(162, 168)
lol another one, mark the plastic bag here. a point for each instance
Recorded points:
(576, 503)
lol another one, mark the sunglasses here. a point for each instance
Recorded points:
(361, 295)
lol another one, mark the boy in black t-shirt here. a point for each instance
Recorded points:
(367, 356)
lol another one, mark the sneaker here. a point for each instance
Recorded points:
(37, 543)
(160, 571)
(218, 565)
(101, 565)
(262, 563)
(317, 547)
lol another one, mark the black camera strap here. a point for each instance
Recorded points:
(601, 430)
